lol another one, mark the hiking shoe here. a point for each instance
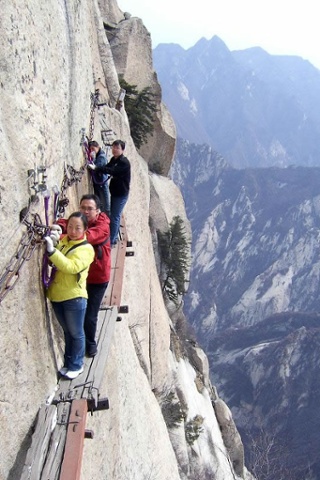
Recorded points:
(71, 374)
(63, 371)
(92, 353)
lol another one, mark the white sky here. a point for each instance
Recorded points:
(281, 27)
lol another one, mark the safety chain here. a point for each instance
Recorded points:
(107, 134)
(35, 229)
(97, 101)
(94, 104)
(30, 239)
(35, 232)
(70, 177)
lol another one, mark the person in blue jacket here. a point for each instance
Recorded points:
(99, 178)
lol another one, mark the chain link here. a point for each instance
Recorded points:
(29, 241)
(94, 100)
(35, 232)
(71, 176)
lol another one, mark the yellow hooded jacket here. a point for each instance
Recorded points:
(70, 278)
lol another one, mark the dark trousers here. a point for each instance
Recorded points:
(102, 191)
(96, 293)
(117, 205)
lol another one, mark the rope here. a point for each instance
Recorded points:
(48, 271)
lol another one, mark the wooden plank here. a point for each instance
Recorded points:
(115, 294)
(98, 365)
(106, 299)
(118, 254)
(69, 390)
(46, 420)
(51, 470)
(71, 464)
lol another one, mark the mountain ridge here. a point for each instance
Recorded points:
(254, 297)
(254, 108)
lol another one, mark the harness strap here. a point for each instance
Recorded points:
(99, 249)
(46, 276)
(72, 248)
(48, 279)
(75, 246)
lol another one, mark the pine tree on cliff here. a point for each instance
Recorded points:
(141, 108)
(174, 252)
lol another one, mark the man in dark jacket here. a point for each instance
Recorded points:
(98, 235)
(120, 170)
(100, 179)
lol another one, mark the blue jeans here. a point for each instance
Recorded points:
(102, 191)
(96, 293)
(70, 315)
(117, 205)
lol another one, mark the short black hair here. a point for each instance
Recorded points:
(119, 143)
(92, 196)
(93, 143)
(82, 216)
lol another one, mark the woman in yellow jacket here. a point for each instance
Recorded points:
(67, 292)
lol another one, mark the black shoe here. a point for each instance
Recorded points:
(92, 353)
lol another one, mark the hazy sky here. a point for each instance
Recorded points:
(281, 27)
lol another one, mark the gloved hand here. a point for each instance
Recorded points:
(50, 246)
(57, 228)
(91, 166)
(55, 237)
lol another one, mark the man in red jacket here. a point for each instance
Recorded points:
(98, 234)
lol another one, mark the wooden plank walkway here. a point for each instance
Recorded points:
(81, 387)
(57, 442)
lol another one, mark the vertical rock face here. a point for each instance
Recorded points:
(53, 56)
(131, 46)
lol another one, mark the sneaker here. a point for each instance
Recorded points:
(63, 371)
(71, 374)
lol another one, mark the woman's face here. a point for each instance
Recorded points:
(75, 228)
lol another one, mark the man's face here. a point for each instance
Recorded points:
(89, 208)
(116, 150)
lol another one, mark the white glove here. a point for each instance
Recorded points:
(50, 247)
(57, 228)
(91, 166)
(55, 237)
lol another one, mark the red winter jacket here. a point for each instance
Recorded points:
(98, 234)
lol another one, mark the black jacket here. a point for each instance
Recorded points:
(120, 170)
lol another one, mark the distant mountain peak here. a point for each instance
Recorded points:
(247, 101)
